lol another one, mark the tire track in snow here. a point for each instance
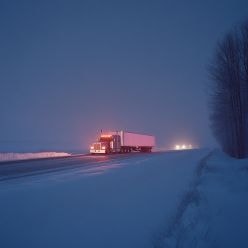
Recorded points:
(172, 237)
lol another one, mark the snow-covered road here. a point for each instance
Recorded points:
(119, 202)
(34, 167)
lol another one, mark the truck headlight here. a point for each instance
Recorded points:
(103, 147)
(92, 147)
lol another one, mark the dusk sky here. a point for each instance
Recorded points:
(71, 68)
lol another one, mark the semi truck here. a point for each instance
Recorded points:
(122, 142)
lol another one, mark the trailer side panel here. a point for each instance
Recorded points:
(137, 140)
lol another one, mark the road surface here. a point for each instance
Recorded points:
(24, 168)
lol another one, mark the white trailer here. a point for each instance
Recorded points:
(122, 142)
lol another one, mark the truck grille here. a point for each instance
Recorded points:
(97, 146)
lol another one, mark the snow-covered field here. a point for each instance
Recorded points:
(22, 156)
(215, 212)
(126, 206)
(176, 199)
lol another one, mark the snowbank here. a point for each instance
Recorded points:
(126, 206)
(216, 214)
(22, 156)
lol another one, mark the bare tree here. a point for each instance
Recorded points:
(244, 58)
(229, 93)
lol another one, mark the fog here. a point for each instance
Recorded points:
(71, 68)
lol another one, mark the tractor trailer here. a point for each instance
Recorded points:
(122, 142)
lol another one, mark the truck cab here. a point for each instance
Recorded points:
(107, 143)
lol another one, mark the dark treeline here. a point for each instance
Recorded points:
(229, 92)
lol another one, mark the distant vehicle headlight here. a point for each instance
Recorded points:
(183, 147)
(92, 147)
(103, 147)
(177, 147)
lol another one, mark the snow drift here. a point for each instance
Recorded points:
(23, 156)
(216, 213)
